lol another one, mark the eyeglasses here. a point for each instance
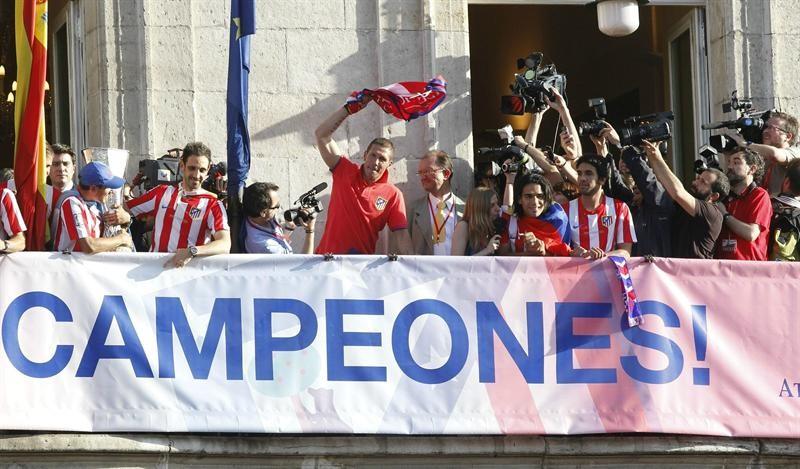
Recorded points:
(775, 127)
(429, 172)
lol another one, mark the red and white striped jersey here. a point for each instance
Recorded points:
(181, 219)
(606, 226)
(10, 216)
(51, 195)
(76, 220)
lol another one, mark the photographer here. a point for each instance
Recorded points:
(778, 149)
(263, 233)
(696, 227)
(654, 211)
(614, 186)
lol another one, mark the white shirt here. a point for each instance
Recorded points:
(443, 249)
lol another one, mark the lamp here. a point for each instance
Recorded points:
(14, 85)
(10, 98)
(618, 18)
(2, 71)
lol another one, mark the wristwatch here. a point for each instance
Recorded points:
(192, 251)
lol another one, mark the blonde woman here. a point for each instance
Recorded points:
(476, 233)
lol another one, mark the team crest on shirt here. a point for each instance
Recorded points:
(194, 213)
(607, 220)
(380, 203)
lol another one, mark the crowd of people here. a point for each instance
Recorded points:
(609, 201)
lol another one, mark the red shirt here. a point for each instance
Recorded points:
(181, 219)
(753, 206)
(553, 244)
(606, 226)
(10, 216)
(358, 211)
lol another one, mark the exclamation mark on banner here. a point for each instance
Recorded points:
(701, 376)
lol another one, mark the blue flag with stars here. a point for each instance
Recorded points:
(243, 26)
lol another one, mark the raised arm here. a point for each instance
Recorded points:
(667, 178)
(326, 145)
(559, 104)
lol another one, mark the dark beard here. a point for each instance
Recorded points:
(734, 179)
(699, 195)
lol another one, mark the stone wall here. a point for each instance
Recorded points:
(157, 75)
(753, 48)
(620, 451)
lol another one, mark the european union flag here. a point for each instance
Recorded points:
(243, 25)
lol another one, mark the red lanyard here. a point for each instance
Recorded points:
(436, 223)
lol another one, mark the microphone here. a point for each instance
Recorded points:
(318, 188)
(715, 125)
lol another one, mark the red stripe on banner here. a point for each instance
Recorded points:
(511, 396)
(619, 406)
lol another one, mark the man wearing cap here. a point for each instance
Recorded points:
(77, 224)
(189, 221)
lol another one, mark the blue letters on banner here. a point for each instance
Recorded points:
(266, 343)
(639, 336)
(458, 339)
(491, 322)
(337, 339)
(11, 320)
(227, 314)
(566, 342)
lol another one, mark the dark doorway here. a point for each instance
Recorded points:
(629, 72)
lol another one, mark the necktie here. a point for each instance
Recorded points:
(439, 229)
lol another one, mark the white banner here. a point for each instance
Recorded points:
(246, 343)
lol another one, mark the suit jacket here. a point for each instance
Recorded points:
(419, 224)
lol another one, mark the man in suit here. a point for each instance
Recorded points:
(432, 218)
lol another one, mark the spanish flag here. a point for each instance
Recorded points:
(29, 150)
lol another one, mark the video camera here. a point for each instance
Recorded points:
(306, 202)
(215, 172)
(597, 125)
(750, 123)
(709, 158)
(507, 152)
(164, 170)
(652, 127)
(530, 88)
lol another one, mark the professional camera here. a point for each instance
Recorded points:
(709, 158)
(530, 88)
(507, 152)
(164, 170)
(749, 123)
(597, 125)
(215, 172)
(305, 204)
(652, 127)
(721, 143)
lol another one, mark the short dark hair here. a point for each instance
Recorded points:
(721, 185)
(195, 149)
(791, 124)
(793, 175)
(381, 142)
(600, 164)
(531, 178)
(60, 149)
(442, 159)
(754, 160)
(256, 198)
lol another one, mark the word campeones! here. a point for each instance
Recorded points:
(226, 316)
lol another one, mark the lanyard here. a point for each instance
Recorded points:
(435, 222)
